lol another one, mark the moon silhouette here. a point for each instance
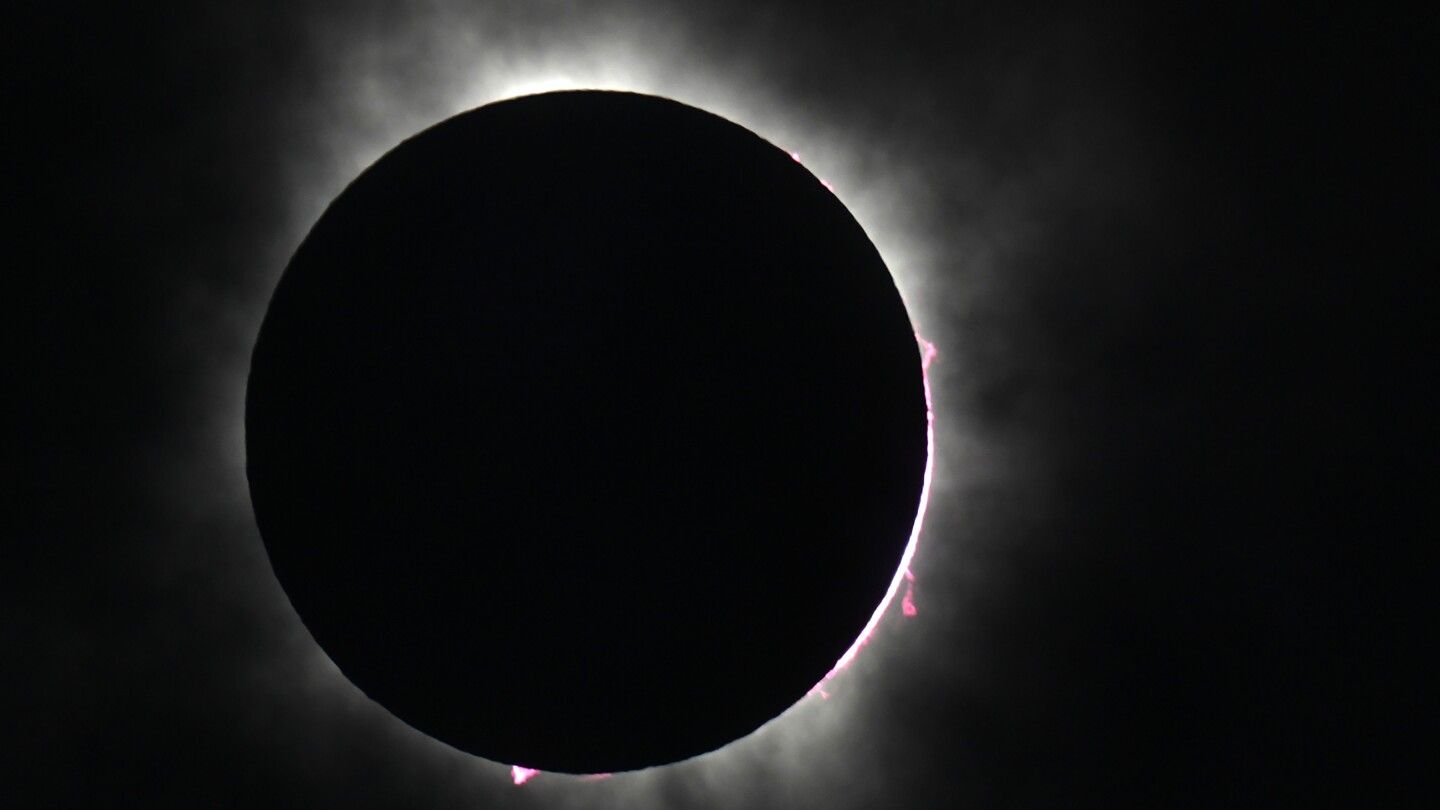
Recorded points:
(585, 431)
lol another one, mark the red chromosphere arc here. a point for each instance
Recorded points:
(927, 353)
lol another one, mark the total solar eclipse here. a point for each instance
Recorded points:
(586, 431)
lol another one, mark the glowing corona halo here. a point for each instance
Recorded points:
(588, 566)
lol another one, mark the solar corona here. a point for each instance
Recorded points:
(587, 432)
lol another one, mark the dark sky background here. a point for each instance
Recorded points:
(1151, 250)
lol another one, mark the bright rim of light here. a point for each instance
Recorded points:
(365, 111)
(927, 353)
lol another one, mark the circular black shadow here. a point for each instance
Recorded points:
(585, 431)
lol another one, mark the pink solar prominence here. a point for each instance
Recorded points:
(520, 774)
(795, 156)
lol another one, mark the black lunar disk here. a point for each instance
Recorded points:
(585, 431)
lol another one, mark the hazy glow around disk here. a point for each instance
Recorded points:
(361, 110)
